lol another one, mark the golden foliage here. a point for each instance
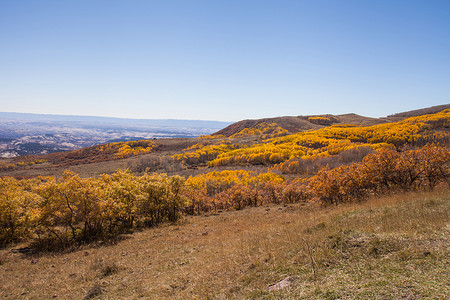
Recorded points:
(76, 210)
(238, 189)
(17, 210)
(31, 162)
(7, 166)
(263, 130)
(203, 153)
(211, 137)
(325, 121)
(4, 166)
(73, 210)
(127, 149)
(416, 131)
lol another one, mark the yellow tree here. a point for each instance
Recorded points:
(18, 213)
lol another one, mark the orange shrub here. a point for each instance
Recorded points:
(383, 171)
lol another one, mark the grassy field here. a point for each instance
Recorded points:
(395, 247)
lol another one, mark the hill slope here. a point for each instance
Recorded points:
(300, 123)
(294, 124)
(390, 248)
(417, 112)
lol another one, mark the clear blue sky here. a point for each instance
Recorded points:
(223, 60)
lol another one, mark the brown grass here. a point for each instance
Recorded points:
(387, 248)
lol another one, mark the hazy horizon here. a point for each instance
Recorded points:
(201, 120)
(107, 117)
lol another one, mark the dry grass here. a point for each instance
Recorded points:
(387, 248)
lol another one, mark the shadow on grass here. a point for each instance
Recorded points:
(54, 246)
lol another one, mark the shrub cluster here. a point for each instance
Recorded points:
(200, 153)
(384, 171)
(227, 190)
(4, 166)
(76, 210)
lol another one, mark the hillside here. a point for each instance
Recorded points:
(300, 123)
(387, 248)
(294, 124)
(417, 112)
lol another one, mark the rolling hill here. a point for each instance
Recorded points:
(294, 124)
(301, 123)
(418, 112)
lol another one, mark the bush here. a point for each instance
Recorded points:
(384, 171)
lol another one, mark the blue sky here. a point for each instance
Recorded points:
(223, 60)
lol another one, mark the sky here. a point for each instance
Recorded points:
(223, 60)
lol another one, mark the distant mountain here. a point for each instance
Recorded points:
(111, 120)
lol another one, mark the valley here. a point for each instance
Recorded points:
(31, 134)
